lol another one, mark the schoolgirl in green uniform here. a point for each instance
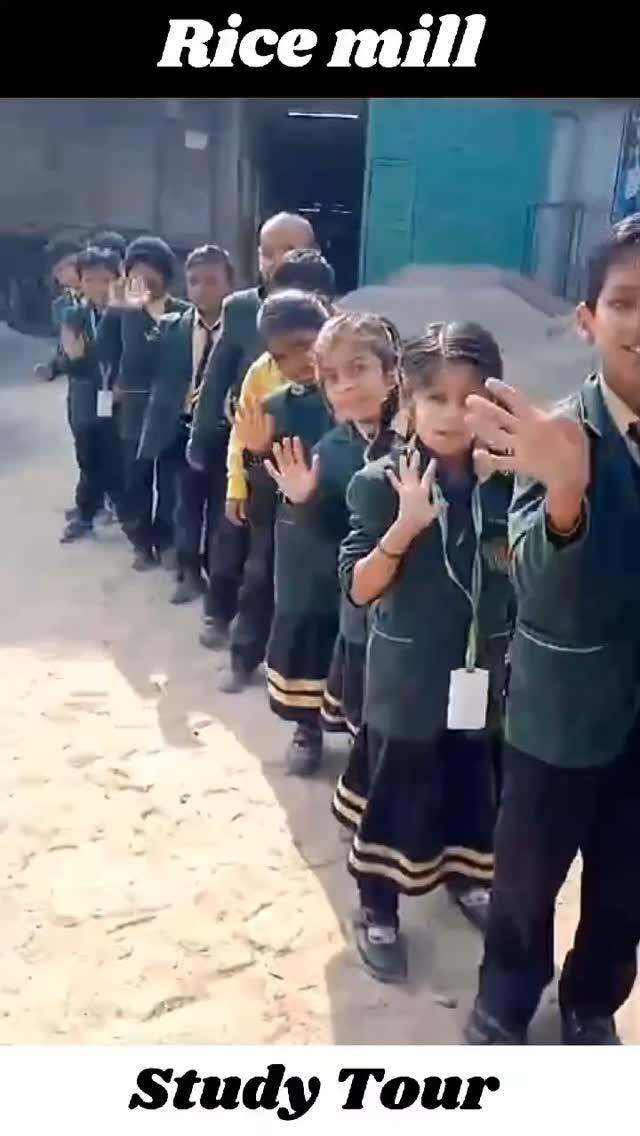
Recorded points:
(357, 357)
(304, 625)
(427, 554)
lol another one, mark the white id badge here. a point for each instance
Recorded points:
(105, 403)
(468, 700)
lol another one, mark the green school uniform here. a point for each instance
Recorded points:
(237, 348)
(420, 626)
(573, 686)
(85, 375)
(305, 581)
(170, 383)
(128, 343)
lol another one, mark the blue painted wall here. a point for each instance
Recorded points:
(449, 181)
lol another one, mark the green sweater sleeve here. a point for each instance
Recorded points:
(542, 562)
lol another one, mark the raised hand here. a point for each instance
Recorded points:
(295, 478)
(136, 294)
(515, 436)
(73, 344)
(254, 428)
(417, 508)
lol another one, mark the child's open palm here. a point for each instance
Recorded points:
(296, 479)
(254, 428)
(417, 507)
(522, 438)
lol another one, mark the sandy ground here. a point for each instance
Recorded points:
(164, 881)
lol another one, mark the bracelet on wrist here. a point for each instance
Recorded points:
(389, 555)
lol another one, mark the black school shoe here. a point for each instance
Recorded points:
(381, 948)
(168, 558)
(588, 1031)
(234, 680)
(483, 1029)
(189, 588)
(304, 753)
(76, 529)
(214, 635)
(143, 560)
(473, 899)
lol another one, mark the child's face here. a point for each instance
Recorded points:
(154, 281)
(293, 354)
(353, 379)
(95, 284)
(439, 410)
(614, 328)
(65, 273)
(207, 286)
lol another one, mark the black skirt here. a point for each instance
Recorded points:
(341, 709)
(298, 659)
(421, 813)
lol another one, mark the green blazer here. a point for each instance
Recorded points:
(84, 375)
(128, 342)
(305, 569)
(419, 627)
(573, 688)
(170, 383)
(237, 348)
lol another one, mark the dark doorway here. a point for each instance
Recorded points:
(310, 158)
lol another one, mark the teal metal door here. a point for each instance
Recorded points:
(388, 214)
(472, 168)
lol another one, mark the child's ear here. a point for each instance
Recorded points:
(584, 322)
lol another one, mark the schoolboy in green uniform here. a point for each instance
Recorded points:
(305, 612)
(187, 339)
(61, 255)
(90, 396)
(571, 762)
(128, 342)
(238, 346)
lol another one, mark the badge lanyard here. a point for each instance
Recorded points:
(104, 369)
(473, 596)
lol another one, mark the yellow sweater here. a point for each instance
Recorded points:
(261, 380)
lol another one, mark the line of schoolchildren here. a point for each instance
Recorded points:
(420, 556)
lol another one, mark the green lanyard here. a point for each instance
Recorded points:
(473, 596)
(104, 369)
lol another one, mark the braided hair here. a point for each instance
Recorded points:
(380, 336)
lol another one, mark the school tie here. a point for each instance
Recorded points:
(199, 375)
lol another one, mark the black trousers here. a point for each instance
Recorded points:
(252, 624)
(226, 544)
(191, 517)
(148, 521)
(547, 816)
(99, 459)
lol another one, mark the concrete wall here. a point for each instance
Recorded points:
(581, 180)
(123, 164)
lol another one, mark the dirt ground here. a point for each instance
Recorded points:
(164, 880)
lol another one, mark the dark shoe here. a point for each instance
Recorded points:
(168, 559)
(473, 901)
(108, 515)
(71, 514)
(214, 635)
(188, 589)
(234, 681)
(304, 755)
(143, 560)
(76, 530)
(482, 1029)
(381, 948)
(588, 1031)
